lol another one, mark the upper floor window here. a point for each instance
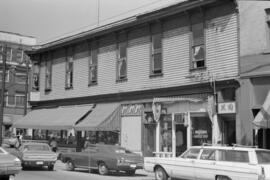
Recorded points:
(35, 84)
(93, 62)
(20, 77)
(197, 44)
(6, 77)
(122, 61)
(8, 54)
(19, 57)
(156, 50)
(69, 68)
(48, 73)
(19, 99)
(268, 26)
(1, 52)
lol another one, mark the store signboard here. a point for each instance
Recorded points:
(226, 108)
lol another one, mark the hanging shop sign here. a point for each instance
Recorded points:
(226, 108)
(132, 110)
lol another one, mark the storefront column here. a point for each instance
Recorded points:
(216, 135)
(157, 137)
(188, 130)
(173, 137)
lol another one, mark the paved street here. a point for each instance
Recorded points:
(61, 174)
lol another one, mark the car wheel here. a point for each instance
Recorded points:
(223, 178)
(70, 165)
(131, 172)
(50, 167)
(160, 174)
(102, 169)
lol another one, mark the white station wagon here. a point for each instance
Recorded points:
(213, 163)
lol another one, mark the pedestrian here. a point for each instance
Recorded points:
(53, 144)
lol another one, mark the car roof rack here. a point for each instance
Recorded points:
(207, 144)
(240, 145)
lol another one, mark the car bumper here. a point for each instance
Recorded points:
(128, 167)
(10, 170)
(37, 163)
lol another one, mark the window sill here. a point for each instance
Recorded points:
(156, 75)
(197, 69)
(92, 84)
(69, 88)
(121, 80)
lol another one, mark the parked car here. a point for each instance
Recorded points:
(213, 163)
(34, 154)
(104, 158)
(11, 140)
(9, 165)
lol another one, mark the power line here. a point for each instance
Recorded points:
(102, 20)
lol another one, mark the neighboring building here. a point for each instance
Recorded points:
(155, 78)
(255, 73)
(14, 45)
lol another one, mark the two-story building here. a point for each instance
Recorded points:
(12, 47)
(156, 82)
(255, 73)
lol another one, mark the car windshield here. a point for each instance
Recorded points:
(36, 147)
(122, 151)
(263, 157)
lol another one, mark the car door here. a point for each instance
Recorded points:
(183, 166)
(205, 165)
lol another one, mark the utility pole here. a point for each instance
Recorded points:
(4, 58)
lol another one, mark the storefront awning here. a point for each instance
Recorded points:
(61, 118)
(10, 118)
(104, 117)
(262, 119)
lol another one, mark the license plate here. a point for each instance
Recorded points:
(39, 162)
(133, 165)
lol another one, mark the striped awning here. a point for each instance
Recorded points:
(104, 117)
(262, 119)
(60, 118)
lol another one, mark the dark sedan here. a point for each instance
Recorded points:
(9, 165)
(104, 158)
(37, 155)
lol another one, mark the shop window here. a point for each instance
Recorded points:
(122, 61)
(197, 43)
(201, 129)
(268, 26)
(166, 133)
(69, 68)
(93, 62)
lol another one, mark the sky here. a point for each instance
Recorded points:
(48, 20)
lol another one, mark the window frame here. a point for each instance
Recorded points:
(202, 44)
(93, 49)
(19, 95)
(158, 51)
(69, 72)
(7, 76)
(119, 60)
(48, 72)
(20, 74)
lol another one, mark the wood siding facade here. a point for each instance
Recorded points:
(221, 42)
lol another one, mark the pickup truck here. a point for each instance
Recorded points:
(213, 163)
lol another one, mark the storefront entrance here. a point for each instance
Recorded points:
(181, 138)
